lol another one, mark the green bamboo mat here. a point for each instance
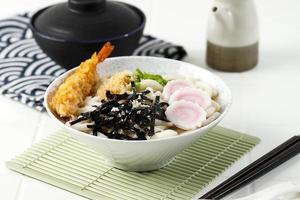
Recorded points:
(63, 162)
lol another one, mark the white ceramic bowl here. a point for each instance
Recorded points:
(150, 154)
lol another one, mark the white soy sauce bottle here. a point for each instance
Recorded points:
(232, 35)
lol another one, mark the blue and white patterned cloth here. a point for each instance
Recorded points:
(26, 72)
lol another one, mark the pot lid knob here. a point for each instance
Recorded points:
(81, 6)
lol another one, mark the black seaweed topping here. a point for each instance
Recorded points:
(119, 118)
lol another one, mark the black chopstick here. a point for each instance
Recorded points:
(258, 168)
(254, 165)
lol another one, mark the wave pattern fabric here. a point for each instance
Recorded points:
(26, 72)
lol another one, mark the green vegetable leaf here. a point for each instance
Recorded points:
(140, 75)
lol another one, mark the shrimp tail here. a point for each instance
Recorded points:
(105, 51)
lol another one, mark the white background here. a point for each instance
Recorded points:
(266, 99)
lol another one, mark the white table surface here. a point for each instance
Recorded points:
(266, 99)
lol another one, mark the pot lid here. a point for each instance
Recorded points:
(88, 20)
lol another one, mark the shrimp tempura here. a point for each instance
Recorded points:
(70, 95)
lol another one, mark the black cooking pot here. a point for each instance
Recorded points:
(71, 32)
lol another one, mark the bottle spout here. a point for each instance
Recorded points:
(224, 16)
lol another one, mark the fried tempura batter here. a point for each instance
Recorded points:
(71, 94)
(116, 84)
